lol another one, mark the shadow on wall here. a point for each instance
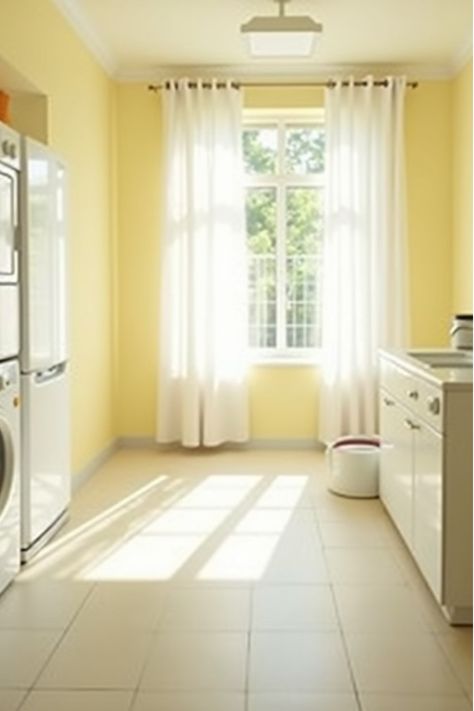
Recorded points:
(29, 108)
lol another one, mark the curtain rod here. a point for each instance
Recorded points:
(330, 84)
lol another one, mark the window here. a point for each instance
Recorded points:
(284, 167)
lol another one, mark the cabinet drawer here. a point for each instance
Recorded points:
(423, 399)
(397, 381)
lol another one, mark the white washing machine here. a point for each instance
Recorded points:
(9, 472)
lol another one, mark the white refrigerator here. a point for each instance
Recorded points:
(44, 347)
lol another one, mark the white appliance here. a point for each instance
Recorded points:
(9, 297)
(44, 351)
(9, 472)
(461, 332)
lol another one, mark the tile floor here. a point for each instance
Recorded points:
(226, 582)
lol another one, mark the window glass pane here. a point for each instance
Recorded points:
(303, 266)
(261, 240)
(260, 149)
(260, 211)
(304, 150)
(262, 301)
(304, 220)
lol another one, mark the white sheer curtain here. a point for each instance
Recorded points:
(202, 388)
(365, 273)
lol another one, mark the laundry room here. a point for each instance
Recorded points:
(235, 355)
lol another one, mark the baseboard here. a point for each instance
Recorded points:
(150, 443)
(309, 444)
(458, 615)
(84, 474)
(130, 442)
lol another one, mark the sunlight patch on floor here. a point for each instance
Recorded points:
(247, 552)
(240, 557)
(146, 558)
(222, 527)
(167, 542)
(78, 543)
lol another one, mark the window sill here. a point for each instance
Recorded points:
(260, 360)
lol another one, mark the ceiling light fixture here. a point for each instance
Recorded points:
(281, 36)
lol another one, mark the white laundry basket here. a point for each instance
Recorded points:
(354, 466)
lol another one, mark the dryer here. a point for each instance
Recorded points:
(9, 472)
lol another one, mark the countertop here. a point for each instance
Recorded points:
(448, 378)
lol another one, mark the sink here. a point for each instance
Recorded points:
(443, 359)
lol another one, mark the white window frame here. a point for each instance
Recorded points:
(260, 118)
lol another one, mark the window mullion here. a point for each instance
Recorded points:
(281, 241)
(281, 268)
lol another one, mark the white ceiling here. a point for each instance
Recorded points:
(146, 39)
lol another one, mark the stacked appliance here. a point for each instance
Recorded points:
(9, 349)
(44, 350)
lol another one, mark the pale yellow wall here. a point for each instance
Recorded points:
(462, 191)
(37, 41)
(429, 195)
(284, 400)
(139, 195)
(284, 97)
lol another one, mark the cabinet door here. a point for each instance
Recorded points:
(427, 538)
(396, 466)
(396, 470)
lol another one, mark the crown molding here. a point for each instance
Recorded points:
(462, 56)
(84, 29)
(265, 72)
(274, 74)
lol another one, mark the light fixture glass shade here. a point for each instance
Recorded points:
(281, 36)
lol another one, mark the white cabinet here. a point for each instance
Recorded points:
(426, 476)
(396, 471)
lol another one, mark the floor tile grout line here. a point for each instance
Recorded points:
(336, 609)
(61, 638)
(348, 657)
(24, 700)
(77, 688)
(344, 643)
(449, 661)
(153, 638)
(249, 649)
(80, 690)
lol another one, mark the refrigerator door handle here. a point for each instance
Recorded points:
(55, 371)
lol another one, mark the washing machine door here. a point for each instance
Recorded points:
(9, 506)
(7, 467)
